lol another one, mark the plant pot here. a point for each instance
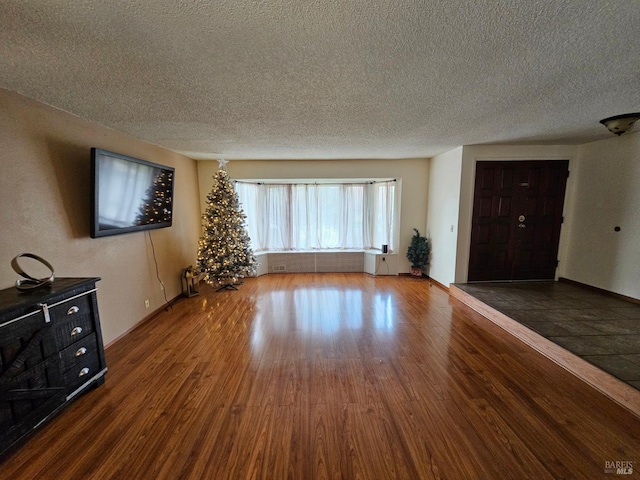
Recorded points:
(416, 271)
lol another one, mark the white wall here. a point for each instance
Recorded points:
(606, 195)
(412, 175)
(45, 209)
(442, 214)
(472, 154)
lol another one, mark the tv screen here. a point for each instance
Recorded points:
(129, 194)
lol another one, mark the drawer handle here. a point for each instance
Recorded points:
(81, 351)
(76, 331)
(73, 310)
(83, 372)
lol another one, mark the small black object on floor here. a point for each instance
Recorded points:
(229, 286)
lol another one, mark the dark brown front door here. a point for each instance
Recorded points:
(517, 215)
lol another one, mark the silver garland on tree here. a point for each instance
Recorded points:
(224, 254)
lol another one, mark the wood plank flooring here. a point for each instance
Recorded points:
(623, 393)
(329, 376)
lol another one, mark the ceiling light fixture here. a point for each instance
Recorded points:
(621, 123)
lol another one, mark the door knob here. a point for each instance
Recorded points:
(521, 225)
(521, 218)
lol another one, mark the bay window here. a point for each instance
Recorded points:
(319, 216)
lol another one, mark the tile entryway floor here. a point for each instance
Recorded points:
(600, 328)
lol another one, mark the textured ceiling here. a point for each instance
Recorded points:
(329, 78)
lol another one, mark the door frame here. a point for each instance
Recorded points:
(467, 191)
(523, 253)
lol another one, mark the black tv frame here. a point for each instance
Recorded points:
(96, 231)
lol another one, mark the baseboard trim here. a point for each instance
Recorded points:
(144, 319)
(439, 285)
(617, 390)
(426, 277)
(600, 290)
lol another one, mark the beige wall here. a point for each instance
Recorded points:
(606, 195)
(413, 174)
(444, 204)
(44, 209)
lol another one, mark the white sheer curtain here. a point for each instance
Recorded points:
(379, 214)
(276, 219)
(318, 216)
(122, 189)
(249, 197)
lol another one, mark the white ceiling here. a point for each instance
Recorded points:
(329, 78)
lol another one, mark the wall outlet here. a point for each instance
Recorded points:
(146, 303)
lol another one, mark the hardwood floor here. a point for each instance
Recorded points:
(311, 376)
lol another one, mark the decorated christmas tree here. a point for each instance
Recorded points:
(156, 206)
(224, 253)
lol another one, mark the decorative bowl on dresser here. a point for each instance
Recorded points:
(51, 350)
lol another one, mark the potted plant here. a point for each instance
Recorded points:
(418, 253)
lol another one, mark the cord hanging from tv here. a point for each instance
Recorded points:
(129, 194)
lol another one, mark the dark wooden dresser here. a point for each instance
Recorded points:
(51, 350)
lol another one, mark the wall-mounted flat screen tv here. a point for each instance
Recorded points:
(129, 194)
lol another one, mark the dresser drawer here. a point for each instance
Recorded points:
(73, 329)
(77, 352)
(78, 306)
(82, 372)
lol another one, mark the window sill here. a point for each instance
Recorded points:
(369, 261)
